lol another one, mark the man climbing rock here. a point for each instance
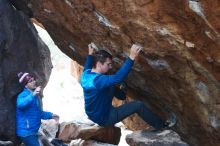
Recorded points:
(99, 90)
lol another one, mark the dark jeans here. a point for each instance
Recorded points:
(31, 140)
(117, 114)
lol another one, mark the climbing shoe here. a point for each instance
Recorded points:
(171, 122)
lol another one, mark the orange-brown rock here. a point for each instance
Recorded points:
(71, 131)
(178, 69)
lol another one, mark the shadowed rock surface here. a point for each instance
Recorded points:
(178, 69)
(20, 50)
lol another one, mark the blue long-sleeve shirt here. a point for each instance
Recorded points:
(29, 114)
(99, 90)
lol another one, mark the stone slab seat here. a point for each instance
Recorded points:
(71, 131)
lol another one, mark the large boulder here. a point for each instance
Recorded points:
(21, 49)
(178, 69)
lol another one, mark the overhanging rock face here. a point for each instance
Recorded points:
(178, 69)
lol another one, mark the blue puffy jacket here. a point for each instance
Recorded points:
(29, 114)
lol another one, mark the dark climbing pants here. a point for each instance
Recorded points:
(117, 114)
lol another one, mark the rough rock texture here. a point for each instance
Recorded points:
(81, 142)
(71, 131)
(178, 69)
(154, 138)
(48, 134)
(20, 50)
(49, 128)
(6, 143)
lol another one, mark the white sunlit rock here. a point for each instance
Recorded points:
(213, 121)
(103, 20)
(69, 3)
(155, 138)
(190, 44)
(203, 92)
(210, 35)
(196, 7)
(71, 46)
(158, 64)
(48, 11)
(164, 31)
